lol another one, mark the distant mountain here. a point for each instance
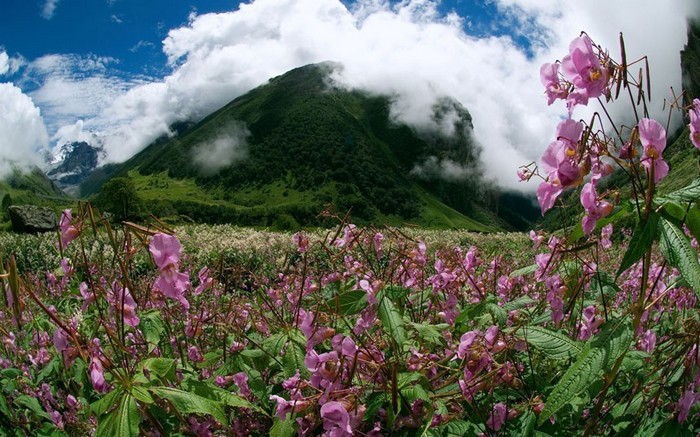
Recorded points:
(30, 186)
(690, 62)
(76, 162)
(286, 150)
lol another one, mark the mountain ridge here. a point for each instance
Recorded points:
(328, 145)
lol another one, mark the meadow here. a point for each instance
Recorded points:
(127, 330)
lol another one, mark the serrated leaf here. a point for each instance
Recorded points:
(690, 193)
(209, 391)
(163, 367)
(188, 403)
(152, 327)
(642, 239)
(102, 405)
(352, 302)
(391, 320)
(459, 428)
(32, 404)
(692, 220)
(283, 428)
(518, 303)
(524, 271)
(679, 253)
(141, 394)
(274, 344)
(430, 333)
(122, 422)
(404, 379)
(554, 345)
(293, 360)
(599, 353)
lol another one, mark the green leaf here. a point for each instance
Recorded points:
(679, 253)
(188, 403)
(283, 428)
(293, 360)
(209, 391)
(524, 271)
(163, 367)
(690, 193)
(518, 303)
(391, 319)
(122, 422)
(642, 239)
(554, 345)
(692, 220)
(274, 344)
(141, 394)
(352, 302)
(152, 327)
(459, 428)
(32, 404)
(599, 353)
(104, 404)
(430, 333)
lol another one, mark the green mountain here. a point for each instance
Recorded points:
(32, 187)
(285, 151)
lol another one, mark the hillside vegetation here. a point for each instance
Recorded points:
(290, 149)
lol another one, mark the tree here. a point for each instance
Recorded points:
(119, 197)
(5, 207)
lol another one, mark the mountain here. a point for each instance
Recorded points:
(690, 62)
(77, 161)
(28, 186)
(287, 149)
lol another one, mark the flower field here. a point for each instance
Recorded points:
(354, 331)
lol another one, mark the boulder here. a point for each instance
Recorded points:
(32, 219)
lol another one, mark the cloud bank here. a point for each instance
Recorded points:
(222, 151)
(22, 130)
(407, 49)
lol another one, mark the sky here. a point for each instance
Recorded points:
(120, 72)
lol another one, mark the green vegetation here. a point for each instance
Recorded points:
(307, 146)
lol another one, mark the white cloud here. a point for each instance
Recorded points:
(222, 151)
(407, 49)
(22, 131)
(8, 65)
(49, 9)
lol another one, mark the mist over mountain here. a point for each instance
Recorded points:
(299, 143)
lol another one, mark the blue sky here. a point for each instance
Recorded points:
(119, 72)
(131, 31)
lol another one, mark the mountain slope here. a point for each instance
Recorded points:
(293, 146)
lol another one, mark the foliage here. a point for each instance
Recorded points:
(372, 331)
(118, 196)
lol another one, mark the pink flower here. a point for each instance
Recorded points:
(559, 163)
(205, 281)
(685, 404)
(302, 242)
(582, 68)
(466, 341)
(124, 302)
(241, 381)
(284, 406)
(497, 417)
(97, 375)
(595, 208)
(554, 89)
(336, 420)
(694, 125)
(166, 254)
(648, 341)
(69, 232)
(605, 235)
(166, 250)
(653, 138)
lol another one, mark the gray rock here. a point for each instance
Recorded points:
(32, 219)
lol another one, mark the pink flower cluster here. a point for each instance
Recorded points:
(569, 159)
(166, 254)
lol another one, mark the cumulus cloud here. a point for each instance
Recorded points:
(76, 87)
(222, 151)
(22, 131)
(8, 65)
(406, 49)
(49, 9)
